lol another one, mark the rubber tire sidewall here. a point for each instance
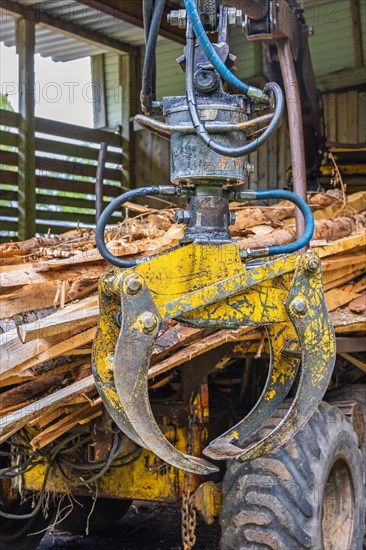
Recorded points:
(248, 521)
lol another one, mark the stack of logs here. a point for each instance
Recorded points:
(49, 304)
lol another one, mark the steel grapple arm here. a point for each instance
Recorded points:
(285, 295)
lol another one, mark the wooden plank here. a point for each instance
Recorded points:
(72, 131)
(129, 74)
(65, 424)
(342, 117)
(338, 297)
(331, 122)
(283, 146)
(69, 201)
(75, 151)
(46, 350)
(8, 177)
(8, 138)
(354, 361)
(27, 298)
(8, 195)
(25, 43)
(194, 350)
(263, 168)
(28, 274)
(9, 158)
(8, 118)
(357, 33)
(45, 217)
(77, 169)
(353, 118)
(75, 186)
(99, 103)
(45, 328)
(272, 181)
(8, 212)
(362, 115)
(17, 420)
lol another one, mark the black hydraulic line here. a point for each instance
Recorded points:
(199, 125)
(148, 69)
(167, 190)
(147, 11)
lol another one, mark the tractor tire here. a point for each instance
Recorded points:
(309, 494)
(23, 534)
(104, 514)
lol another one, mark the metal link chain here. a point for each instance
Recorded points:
(189, 516)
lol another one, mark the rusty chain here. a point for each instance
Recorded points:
(189, 517)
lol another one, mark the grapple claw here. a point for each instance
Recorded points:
(281, 376)
(308, 313)
(140, 326)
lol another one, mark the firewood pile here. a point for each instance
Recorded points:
(49, 304)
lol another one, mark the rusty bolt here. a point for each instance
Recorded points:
(133, 284)
(299, 306)
(149, 321)
(312, 264)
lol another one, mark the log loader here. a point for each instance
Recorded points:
(290, 474)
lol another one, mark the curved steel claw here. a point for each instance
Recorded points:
(102, 366)
(307, 310)
(281, 376)
(140, 326)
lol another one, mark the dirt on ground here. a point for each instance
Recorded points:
(145, 527)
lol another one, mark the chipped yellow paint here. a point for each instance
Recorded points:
(206, 285)
(270, 395)
(147, 478)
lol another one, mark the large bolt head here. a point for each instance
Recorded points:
(312, 264)
(299, 306)
(149, 321)
(133, 284)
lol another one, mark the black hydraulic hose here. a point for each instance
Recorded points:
(147, 11)
(199, 125)
(167, 190)
(148, 69)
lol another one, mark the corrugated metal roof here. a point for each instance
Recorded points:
(50, 43)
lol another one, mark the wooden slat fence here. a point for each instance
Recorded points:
(66, 162)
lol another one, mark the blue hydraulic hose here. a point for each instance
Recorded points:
(305, 209)
(224, 72)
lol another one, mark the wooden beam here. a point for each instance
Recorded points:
(357, 32)
(25, 41)
(99, 103)
(131, 12)
(130, 78)
(67, 28)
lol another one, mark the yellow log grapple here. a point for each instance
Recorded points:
(208, 281)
